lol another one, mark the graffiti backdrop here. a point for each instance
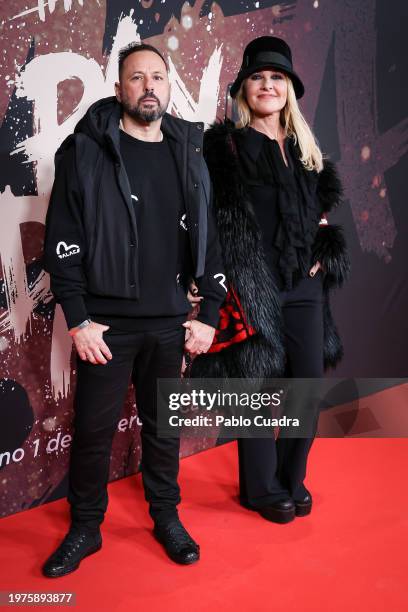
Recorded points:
(59, 56)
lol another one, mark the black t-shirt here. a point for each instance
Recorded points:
(163, 242)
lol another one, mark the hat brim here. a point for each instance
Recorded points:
(244, 74)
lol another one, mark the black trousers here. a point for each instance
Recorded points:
(100, 393)
(272, 470)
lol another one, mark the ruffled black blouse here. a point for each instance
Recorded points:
(283, 201)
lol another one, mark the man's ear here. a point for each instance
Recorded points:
(117, 92)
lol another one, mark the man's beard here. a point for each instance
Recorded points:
(144, 114)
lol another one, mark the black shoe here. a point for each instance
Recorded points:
(179, 546)
(76, 545)
(279, 512)
(303, 506)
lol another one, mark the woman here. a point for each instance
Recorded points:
(272, 190)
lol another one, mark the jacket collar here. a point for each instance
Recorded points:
(181, 130)
(250, 140)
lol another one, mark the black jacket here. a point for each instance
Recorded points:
(263, 355)
(91, 241)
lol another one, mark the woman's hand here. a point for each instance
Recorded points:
(315, 268)
(192, 294)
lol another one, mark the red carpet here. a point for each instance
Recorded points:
(349, 554)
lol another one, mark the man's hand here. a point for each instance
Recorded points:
(199, 337)
(90, 345)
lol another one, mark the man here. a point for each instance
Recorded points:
(128, 226)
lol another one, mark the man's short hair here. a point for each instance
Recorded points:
(134, 47)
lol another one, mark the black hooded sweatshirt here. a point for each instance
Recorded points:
(100, 251)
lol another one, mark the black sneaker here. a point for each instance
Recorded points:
(77, 544)
(179, 545)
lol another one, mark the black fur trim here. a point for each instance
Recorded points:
(246, 269)
(330, 249)
(241, 242)
(329, 188)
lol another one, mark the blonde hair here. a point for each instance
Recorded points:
(294, 124)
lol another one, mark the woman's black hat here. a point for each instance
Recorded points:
(267, 52)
